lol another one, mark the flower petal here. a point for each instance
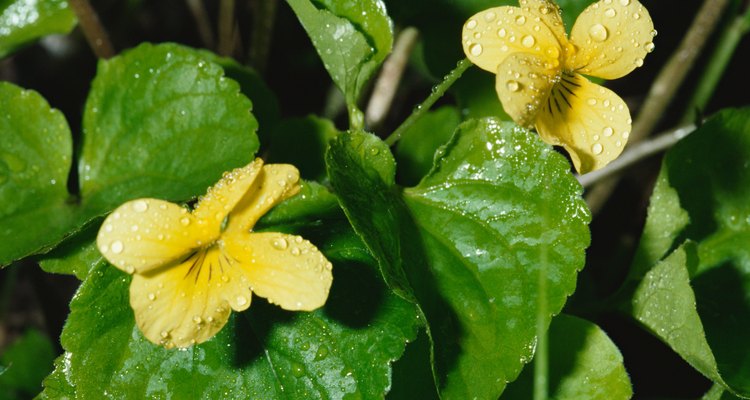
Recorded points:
(493, 34)
(590, 121)
(222, 197)
(190, 302)
(612, 37)
(147, 233)
(275, 183)
(285, 269)
(523, 83)
(549, 12)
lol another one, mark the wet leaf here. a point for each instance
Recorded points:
(22, 21)
(469, 242)
(351, 37)
(584, 363)
(703, 196)
(302, 142)
(24, 364)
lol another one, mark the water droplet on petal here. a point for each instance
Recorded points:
(140, 206)
(490, 16)
(597, 148)
(624, 3)
(608, 131)
(528, 41)
(108, 227)
(280, 244)
(502, 32)
(610, 12)
(295, 251)
(513, 86)
(649, 47)
(164, 334)
(591, 101)
(185, 221)
(520, 20)
(151, 296)
(197, 319)
(544, 10)
(476, 49)
(241, 301)
(116, 247)
(636, 16)
(638, 62)
(625, 135)
(471, 24)
(598, 32)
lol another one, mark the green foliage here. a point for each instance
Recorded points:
(24, 364)
(469, 242)
(686, 298)
(148, 103)
(22, 21)
(584, 364)
(351, 37)
(302, 142)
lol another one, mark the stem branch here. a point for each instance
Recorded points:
(92, 28)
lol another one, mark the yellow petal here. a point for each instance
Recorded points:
(285, 269)
(222, 197)
(490, 36)
(612, 37)
(590, 121)
(147, 233)
(523, 83)
(190, 302)
(549, 12)
(274, 183)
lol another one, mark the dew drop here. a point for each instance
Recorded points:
(649, 47)
(520, 20)
(625, 135)
(528, 41)
(544, 10)
(164, 334)
(597, 148)
(513, 86)
(636, 16)
(471, 24)
(624, 3)
(116, 247)
(103, 248)
(608, 131)
(280, 244)
(638, 62)
(185, 221)
(197, 319)
(295, 251)
(606, 103)
(241, 301)
(151, 296)
(553, 52)
(598, 32)
(591, 101)
(108, 227)
(140, 206)
(502, 32)
(490, 16)
(610, 13)
(476, 49)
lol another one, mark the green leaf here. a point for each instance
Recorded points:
(343, 349)
(22, 21)
(24, 364)
(302, 142)
(705, 193)
(469, 242)
(351, 37)
(35, 157)
(476, 95)
(416, 148)
(163, 122)
(160, 121)
(584, 365)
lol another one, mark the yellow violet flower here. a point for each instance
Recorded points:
(191, 268)
(540, 70)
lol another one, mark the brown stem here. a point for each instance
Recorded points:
(198, 9)
(226, 28)
(264, 17)
(92, 28)
(390, 76)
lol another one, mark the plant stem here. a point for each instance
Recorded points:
(718, 62)
(198, 10)
(264, 16)
(226, 28)
(92, 28)
(674, 72)
(437, 93)
(390, 76)
(636, 153)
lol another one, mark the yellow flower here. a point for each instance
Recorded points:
(540, 70)
(191, 267)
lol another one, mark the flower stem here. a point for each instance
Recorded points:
(541, 356)
(92, 28)
(719, 61)
(437, 92)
